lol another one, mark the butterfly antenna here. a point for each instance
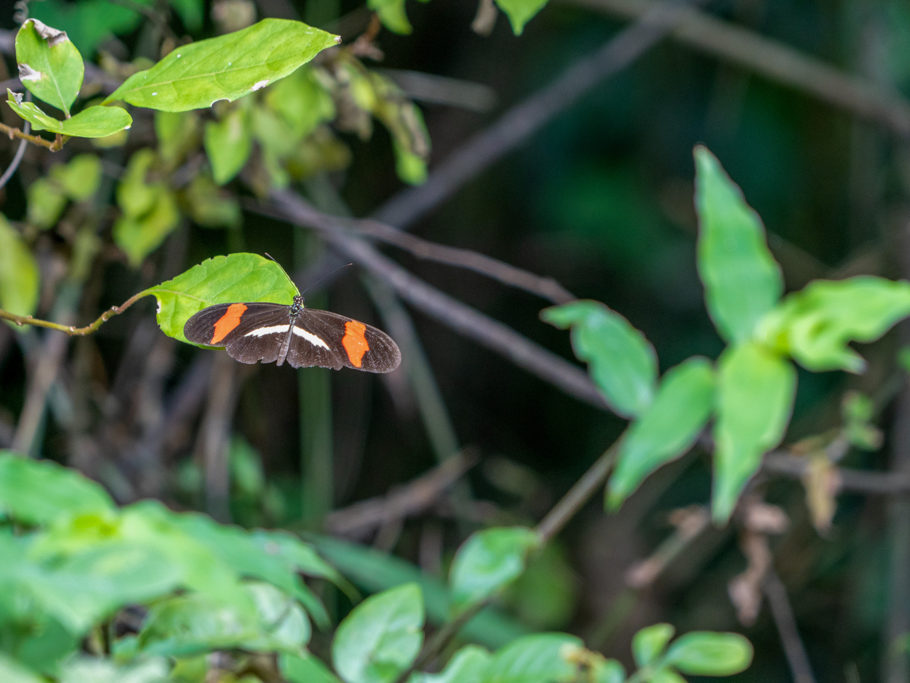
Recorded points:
(326, 277)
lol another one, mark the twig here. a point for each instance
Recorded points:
(775, 61)
(578, 495)
(17, 159)
(783, 617)
(524, 119)
(457, 315)
(846, 479)
(54, 145)
(404, 502)
(72, 330)
(544, 287)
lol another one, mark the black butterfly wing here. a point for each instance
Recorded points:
(345, 343)
(250, 333)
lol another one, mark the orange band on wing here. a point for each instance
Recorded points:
(227, 322)
(355, 342)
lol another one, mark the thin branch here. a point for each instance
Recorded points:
(775, 61)
(544, 287)
(578, 495)
(54, 145)
(457, 315)
(846, 479)
(782, 613)
(72, 330)
(17, 159)
(524, 119)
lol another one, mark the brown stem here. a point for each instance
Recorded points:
(72, 330)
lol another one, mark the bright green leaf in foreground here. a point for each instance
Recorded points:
(536, 658)
(18, 272)
(703, 653)
(650, 642)
(222, 279)
(50, 66)
(520, 12)
(304, 668)
(38, 492)
(469, 664)
(381, 637)
(742, 281)
(197, 75)
(489, 560)
(621, 361)
(91, 122)
(816, 324)
(667, 429)
(755, 390)
(12, 671)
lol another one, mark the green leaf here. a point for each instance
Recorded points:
(140, 235)
(375, 571)
(89, 22)
(536, 658)
(304, 668)
(815, 324)
(667, 428)
(302, 102)
(228, 144)
(50, 66)
(12, 671)
(742, 281)
(38, 492)
(755, 391)
(178, 136)
(219, 280)
(703, 653)
(650, 642)
(520, 12)
(80, 177)
(270, 556)
(392, 15)
(197, 75)
(91, 122)
(210, 206)
(99, 670)
(194, 623)
(46, 202)
(488, 561)
(468, 665)
(380, 638)
(19, 277)
(620, 360)
(608, 671)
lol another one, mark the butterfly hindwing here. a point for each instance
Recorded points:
(351, 344)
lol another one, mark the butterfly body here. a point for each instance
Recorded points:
(302, 337)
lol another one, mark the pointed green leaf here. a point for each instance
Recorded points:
(19, 277)
(620, 360)
(536, 658)
(489, 560)
(742, 281)
(13, 671)
(380, 638)
(816, 324)
(197, 75)
(219, 280)
(138, 236)
(666, 429)
(703, 653)
(50, 66)
(755, 391)
(520, 12)
(38, 492)
(91, 122)
(650, 642)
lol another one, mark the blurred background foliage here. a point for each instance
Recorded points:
(600, 198)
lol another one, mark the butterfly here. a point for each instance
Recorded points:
(303, 337)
